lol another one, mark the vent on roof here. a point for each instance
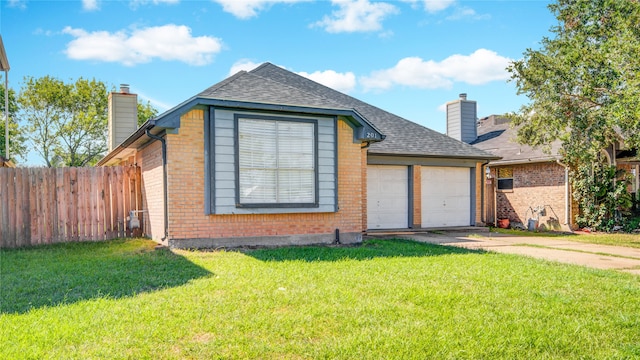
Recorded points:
(462, 119)
(123, 115)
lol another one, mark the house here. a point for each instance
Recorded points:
(525, 183)
(268, 157)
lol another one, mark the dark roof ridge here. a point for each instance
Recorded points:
(334, 104)
(340, 106)
(264, 64)
(224, 82)
(402, 134)
(312, 83)
(324, 87)
(231, 79)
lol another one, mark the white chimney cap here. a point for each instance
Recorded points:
(124, 88)
(463, 96)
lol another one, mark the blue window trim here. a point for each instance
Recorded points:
(210, 160)
(315, 204)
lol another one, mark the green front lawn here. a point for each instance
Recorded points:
(383, 300)
(618, 239)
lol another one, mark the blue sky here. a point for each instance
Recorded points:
(409, 57)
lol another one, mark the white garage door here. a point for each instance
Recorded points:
(446, 196)
(387, 197)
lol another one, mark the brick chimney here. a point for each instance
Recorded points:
(462, 119)
(123, 115)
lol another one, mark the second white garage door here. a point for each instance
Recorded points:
(446, 196)
(387, 197)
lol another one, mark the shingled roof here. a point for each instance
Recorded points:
(271, 84)
(248, 87)
(495, 135)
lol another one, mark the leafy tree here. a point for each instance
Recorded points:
(65, 122)
(601, 190)
(17, 147)
(145, 112)
(83, 133)
(583, 83)
(41, 109)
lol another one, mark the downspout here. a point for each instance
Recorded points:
(567, 208)
(164, 182)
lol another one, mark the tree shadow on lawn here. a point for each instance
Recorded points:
(67, 273)
(369, 249)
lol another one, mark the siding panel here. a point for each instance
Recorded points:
(224, 190)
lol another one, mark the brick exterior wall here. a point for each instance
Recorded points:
(417, 197)
(480, 183)
(363, 188)
(150, 161)
(187, 219)
(534, 185)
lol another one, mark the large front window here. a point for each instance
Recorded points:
(276, 162)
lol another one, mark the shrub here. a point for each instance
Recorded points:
(602, 195)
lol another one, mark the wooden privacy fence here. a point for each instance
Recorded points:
(44, 206)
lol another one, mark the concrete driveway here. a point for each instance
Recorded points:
(549, 248)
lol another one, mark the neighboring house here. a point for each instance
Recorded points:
(525, 183)
(268, 157)
(629, 160)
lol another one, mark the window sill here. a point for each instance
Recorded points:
(276, 206)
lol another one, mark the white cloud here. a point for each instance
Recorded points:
(243, 64)
(356, 16)
(18, 4)
(168, 42)
(467, 13)
(388, 34)
(41, 31)
(245, 9)
(134, 4)
(344, 82)
(480, 67)
(93, 5)
(90, 5)
(433, 6)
